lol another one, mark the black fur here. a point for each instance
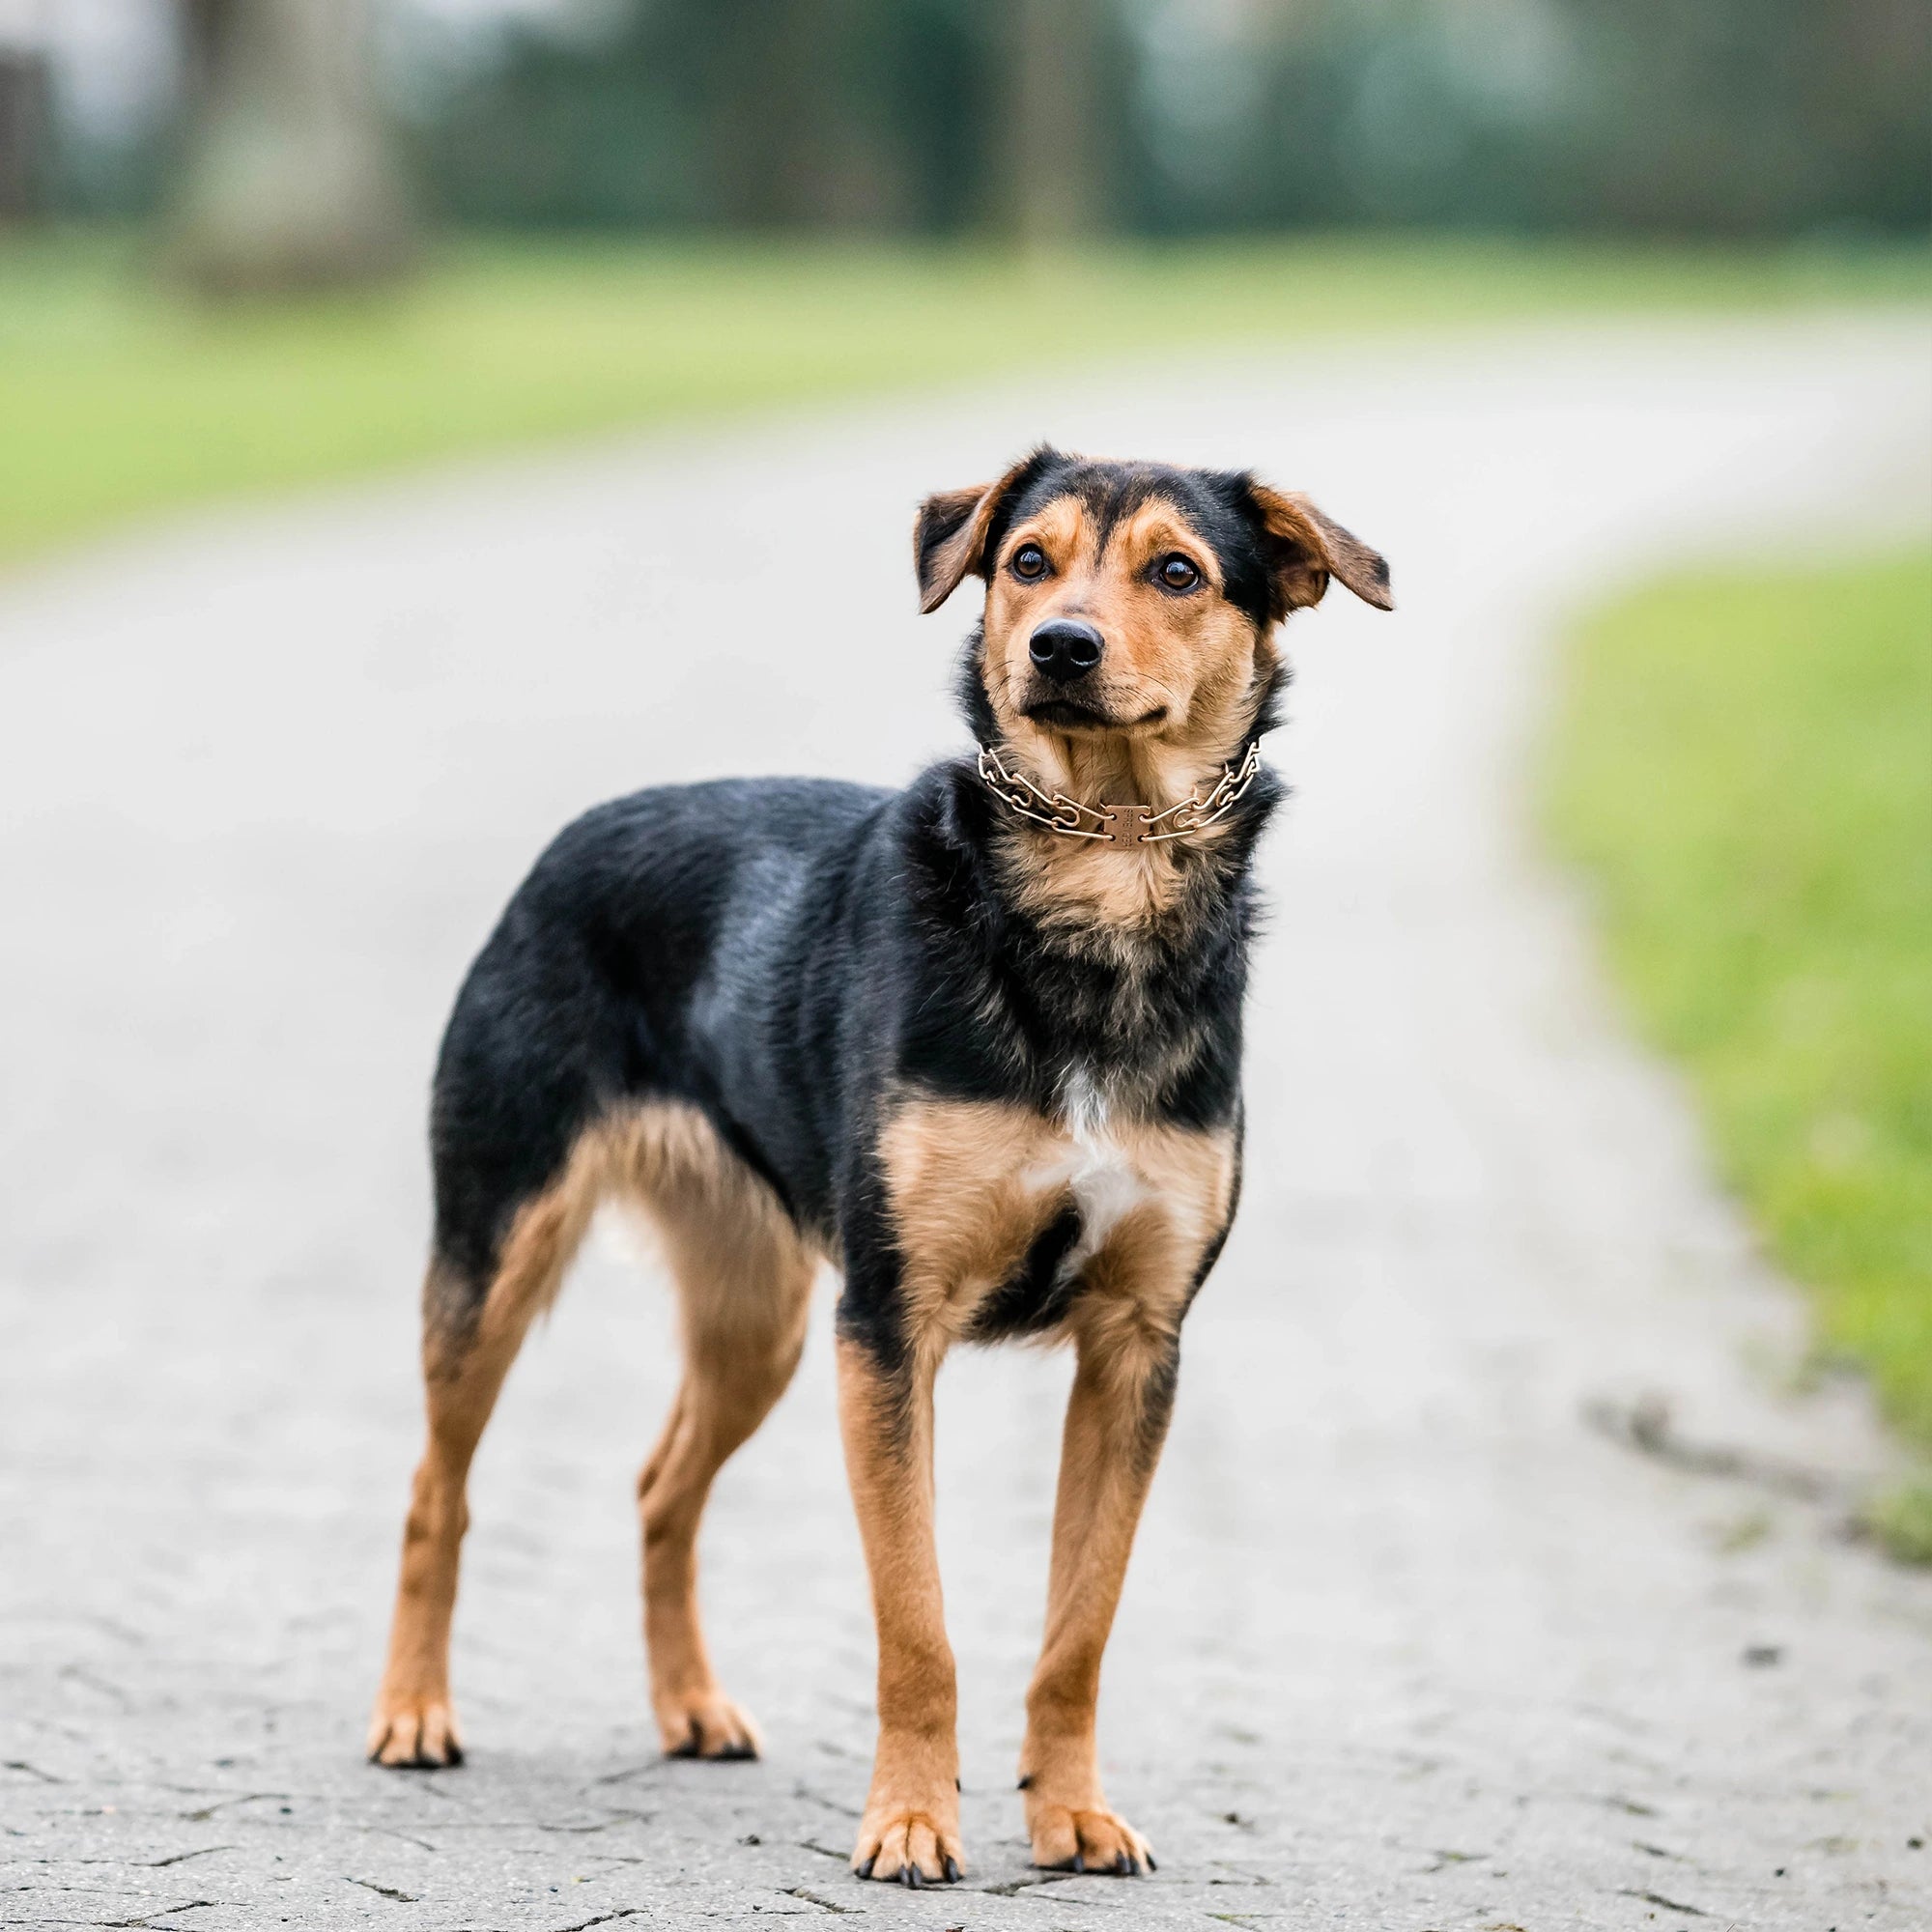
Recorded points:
(1037, 1296)
(786, 954)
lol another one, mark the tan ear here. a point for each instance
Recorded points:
(949, 535)
(949, 538)
(1311, 547)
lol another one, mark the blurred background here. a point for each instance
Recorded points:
(1033, 119)
(587, 213)
(1037, 119)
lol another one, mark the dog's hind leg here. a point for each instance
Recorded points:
(470, 1340)
(744, 1283)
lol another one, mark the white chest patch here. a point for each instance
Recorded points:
(1094, 1167)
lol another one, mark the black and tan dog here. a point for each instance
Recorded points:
(977, 1042)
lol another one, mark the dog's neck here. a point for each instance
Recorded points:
(1106, 893)
(1099, 771)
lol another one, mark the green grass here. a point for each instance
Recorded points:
(117, 399)
(1744, 768)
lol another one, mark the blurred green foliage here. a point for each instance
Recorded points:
(1902, 1519)
(1722, 117)
(1744, 768)
(115, 398)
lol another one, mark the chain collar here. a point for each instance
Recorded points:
(1119, 824)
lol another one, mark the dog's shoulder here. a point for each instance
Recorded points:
(692, 843)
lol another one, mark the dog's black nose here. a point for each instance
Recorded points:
(1065, 648)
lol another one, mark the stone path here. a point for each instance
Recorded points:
(1406, 1645)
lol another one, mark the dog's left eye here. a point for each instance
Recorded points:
(1176, 573)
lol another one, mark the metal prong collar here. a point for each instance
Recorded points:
(1107, 824)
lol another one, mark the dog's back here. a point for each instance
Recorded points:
(658, 952)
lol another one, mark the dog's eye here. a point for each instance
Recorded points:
(1176, 573)
(1028, 562)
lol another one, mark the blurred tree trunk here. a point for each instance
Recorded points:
(1051, 60)
(23, 132)
(289, 181)
(796, 142)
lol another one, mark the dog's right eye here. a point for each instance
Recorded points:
(1028, 563)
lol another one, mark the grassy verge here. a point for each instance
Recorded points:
(1744, 767)
(116, 400)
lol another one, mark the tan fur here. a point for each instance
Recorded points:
(1125, 1327)
(963, 1210)
(970, 512)
(744, 1281)
(745, 1286)
(970, 1185)
(1317, 548)
(973, 1183)
(1178, 687)
(1181, 676)
(912, 1811)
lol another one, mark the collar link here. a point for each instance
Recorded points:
(1119, 824)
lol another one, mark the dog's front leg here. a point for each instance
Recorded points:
(910, 1830)
(1115, 1422)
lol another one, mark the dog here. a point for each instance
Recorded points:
(977, 1043)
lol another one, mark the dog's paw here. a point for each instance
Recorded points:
(1066, 1840)
(414, 1733)
(909, 1848)
(707, 1725)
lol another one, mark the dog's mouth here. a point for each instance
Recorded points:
(1068, 714)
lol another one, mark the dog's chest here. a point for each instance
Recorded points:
(1005, 1216)
(1090, 1162)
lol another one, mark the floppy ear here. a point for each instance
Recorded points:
(948, 539)
(1308, 548)
(949, 536)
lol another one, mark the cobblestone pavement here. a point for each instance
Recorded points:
(1406, 1644)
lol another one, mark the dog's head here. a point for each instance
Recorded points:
(1130, 601)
